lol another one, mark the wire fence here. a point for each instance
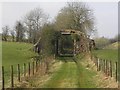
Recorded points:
(108, 67)
(25, 70)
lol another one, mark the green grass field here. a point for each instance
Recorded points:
(15, 53)
(109, 54)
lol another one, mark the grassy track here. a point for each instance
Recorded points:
(65, 77)
(86, 77)
(71, 75)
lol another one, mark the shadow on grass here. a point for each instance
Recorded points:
(70, 58)
(65, 59)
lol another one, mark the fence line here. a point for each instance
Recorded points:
(106, 66)
(29, 69)
(110, 68)
(32, 68)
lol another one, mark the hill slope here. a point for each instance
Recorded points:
(115, 45)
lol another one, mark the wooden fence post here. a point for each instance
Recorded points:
(38, 63)
(12, 81)
(97, 64)
(33, 67)
(29, 69)
(116, 71)
(41, 66)
(111, 68)
(3, 78)
(90, 57)
(36, 66)
(96, 61)
(18, 72)
(104, 65)
(101, 64)
(44, 67)
(24, 66)
(108, 68)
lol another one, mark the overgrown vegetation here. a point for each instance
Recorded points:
(48, 38)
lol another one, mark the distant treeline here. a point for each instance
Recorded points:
(102, 41)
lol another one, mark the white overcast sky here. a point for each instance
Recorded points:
(106, 14)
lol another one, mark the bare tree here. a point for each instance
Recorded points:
(20, 31)
(76, 15)
(5, 33)
(12, 32)
(34, 20)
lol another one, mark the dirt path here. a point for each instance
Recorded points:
(66, 76)
(70, 75)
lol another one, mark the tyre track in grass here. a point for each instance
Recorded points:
(72, 74)
(85, 77)
(66, 77)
